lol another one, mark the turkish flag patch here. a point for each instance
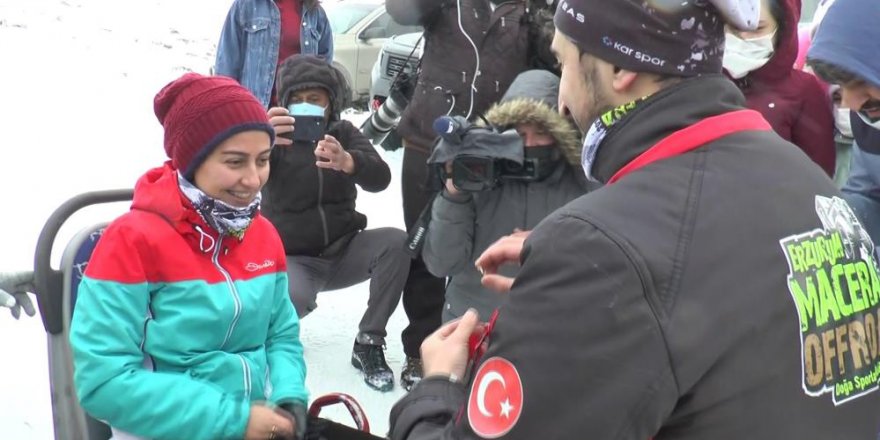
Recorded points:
(496, 399)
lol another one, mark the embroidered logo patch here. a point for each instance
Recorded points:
(496, 399)
(834, 283)
(253, 267)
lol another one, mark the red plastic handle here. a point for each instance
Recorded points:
(354, 408)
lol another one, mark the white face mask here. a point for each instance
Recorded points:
(743, 56)
(841, 121)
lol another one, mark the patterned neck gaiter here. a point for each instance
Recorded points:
(599, 130)
(224, 218)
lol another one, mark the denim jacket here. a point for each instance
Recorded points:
(248, 47)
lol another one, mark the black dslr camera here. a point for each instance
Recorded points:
(482, 157)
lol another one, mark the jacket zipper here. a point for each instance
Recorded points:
(321, 206)
(245, 368)
(237, 311)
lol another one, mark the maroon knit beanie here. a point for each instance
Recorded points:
(671, 37)
(200, 112)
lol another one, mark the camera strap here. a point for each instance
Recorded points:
(416, 238)
(695, 136)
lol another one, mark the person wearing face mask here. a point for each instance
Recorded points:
(183, 327)
(310, 197)
(794, 102)
(843, 136)
(464, 224)
(838, 55)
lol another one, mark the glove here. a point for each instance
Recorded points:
(14, 287)
(298, 413)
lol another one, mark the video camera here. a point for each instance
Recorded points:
(481, 157)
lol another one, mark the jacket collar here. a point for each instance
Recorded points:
(662, 114)
(158, 192)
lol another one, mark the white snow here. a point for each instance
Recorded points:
(76, 88)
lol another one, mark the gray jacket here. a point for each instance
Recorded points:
(464, 225)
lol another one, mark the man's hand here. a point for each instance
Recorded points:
(331, 155)
(14, 287)
(282, 122)
(506, 250)
(445, 352)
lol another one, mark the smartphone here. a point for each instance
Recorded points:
(307, 128)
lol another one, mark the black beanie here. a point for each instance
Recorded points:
(299, 72)
(672, 37)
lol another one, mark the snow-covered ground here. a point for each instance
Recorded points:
(76, 88)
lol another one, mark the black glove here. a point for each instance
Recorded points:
(297, 412)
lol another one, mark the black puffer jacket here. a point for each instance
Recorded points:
(313, 208)
(448, 62)
(725, 293)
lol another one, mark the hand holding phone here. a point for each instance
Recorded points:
(283, 124)
(311, 124)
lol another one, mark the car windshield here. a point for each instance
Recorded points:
(343, 16)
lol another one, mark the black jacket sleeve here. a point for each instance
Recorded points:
(414, 12)
(370, 171)
(581, 331)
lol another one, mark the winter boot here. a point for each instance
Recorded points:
(370, 359)
(412, 373)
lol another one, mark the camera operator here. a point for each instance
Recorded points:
(310, 198)
(464, 224)
(473, 51)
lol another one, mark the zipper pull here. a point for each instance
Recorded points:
(502, 21)
(497, 86)
(463, 77)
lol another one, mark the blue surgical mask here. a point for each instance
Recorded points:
(306, 109)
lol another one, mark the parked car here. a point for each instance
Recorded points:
(399, 53)
(360, 28)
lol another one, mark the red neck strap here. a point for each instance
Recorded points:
(695, 136)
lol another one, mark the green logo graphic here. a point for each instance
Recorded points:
(834, 283)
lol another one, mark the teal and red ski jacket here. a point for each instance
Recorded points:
(177, 330)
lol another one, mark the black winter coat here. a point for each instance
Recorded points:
(313, 207)
(448, 62)
(725, 293)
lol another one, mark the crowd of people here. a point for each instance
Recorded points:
(674, 241)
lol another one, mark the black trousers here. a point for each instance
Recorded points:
(423, 294)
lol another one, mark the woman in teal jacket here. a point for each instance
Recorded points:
(183, 327)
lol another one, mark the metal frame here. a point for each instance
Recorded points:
(53, 298)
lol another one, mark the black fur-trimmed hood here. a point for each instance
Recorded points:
(532, 98)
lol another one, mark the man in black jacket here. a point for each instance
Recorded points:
(717, 287)
(473, 51)
(310, 198)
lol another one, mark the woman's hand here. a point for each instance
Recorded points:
(282, 122)
(330, 154)
(265, 424)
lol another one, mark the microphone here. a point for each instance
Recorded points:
(449, 128)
